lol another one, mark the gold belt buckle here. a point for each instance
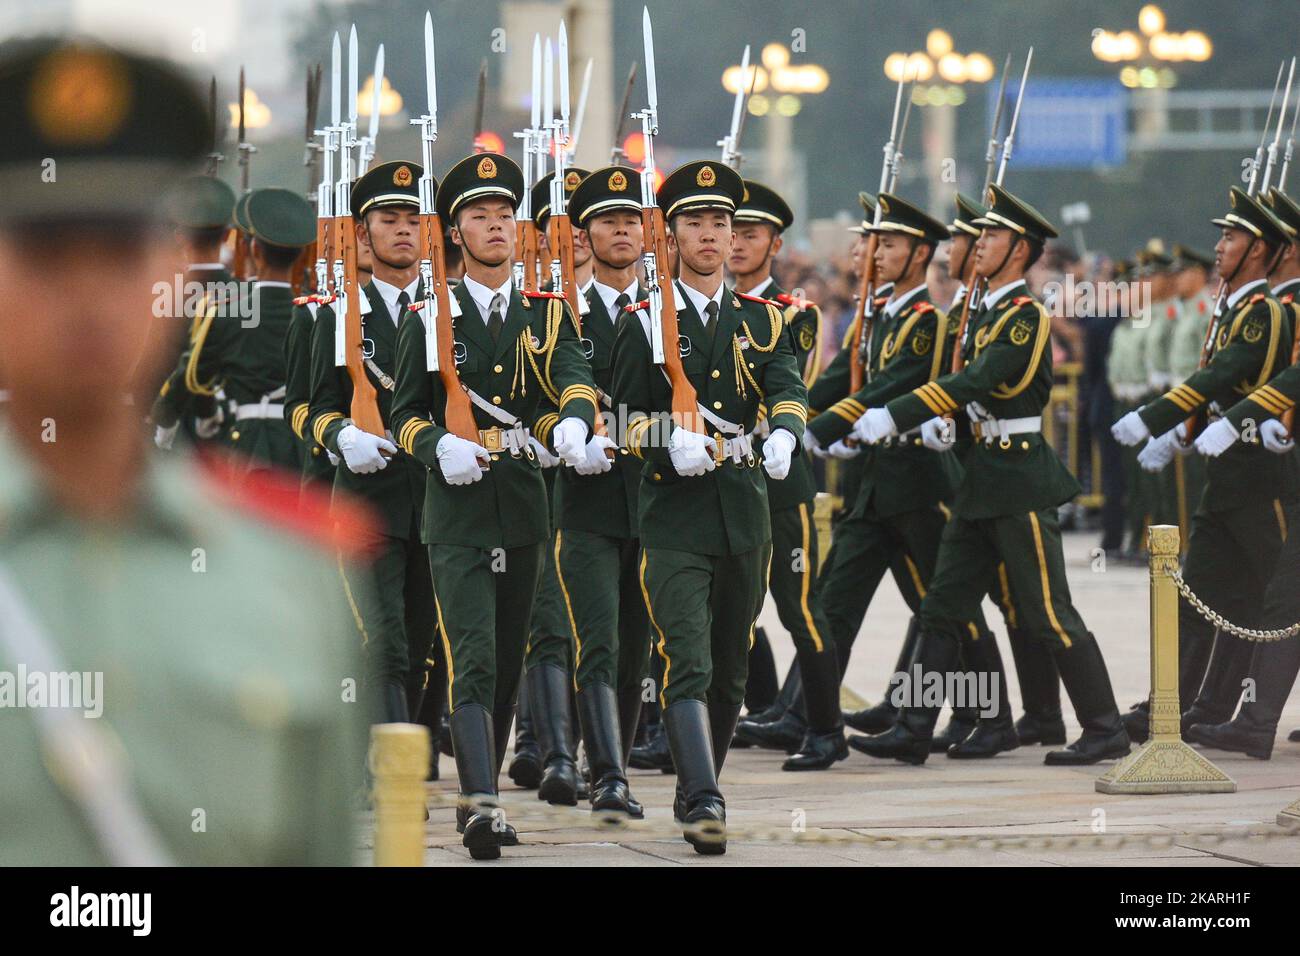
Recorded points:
(490, 438)
(720, 454)
(1004, 442)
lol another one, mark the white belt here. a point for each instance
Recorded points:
(739, 449)
(262, 409)
(988, 429)
(513, 440)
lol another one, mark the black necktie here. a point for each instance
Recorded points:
(711, 325)
(496, 321)
(620, 304)
(403, 301)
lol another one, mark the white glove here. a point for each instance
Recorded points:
(1217, 438)
(1130, 429)
(570, 437)
(1158, 452)
(844, 451)
(937, 434)
(458, 459)
(876, 424)
(163, 437)
(776, 453)
(691, 452)
(208, 427)
(811, 443)
(1275, 436)
(544, 457)
(595, 461)
(362, 450)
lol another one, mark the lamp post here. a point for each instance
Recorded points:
(940, 74)
(777, 86)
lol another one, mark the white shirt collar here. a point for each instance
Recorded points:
(1277, 289)
(389, 293)
(273, 284)
(586, 287)
(700, 301)
(998, 293)
(759, 289)
(482, 295)
(961, 294)
(610, 295)
(1244, 290)
(894, 306)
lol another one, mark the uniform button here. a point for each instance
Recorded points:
(234, 436)
(1024, 445)
(496, 457)
(751, 364)
(716, 373)
(717, 434)
(717, 405)
(315, 449)
(498, 369)
(496, 399)
(658, 476)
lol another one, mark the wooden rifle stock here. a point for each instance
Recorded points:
(971, 293)
(1288, 416)
(1193, 423)
(526, 247)
(365, 405)
(458, 416)
(857, 358)
(685, 400)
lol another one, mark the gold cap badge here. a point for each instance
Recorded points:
(402, 176)
(79, 97)
(617, 181)
(486, 168)
(571, 180)
(706, 177)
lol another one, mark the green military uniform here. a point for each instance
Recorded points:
(213, 725)
(706, 538)
(395, 616)
(1126, 373)
(1161, 487)
(317, 464)
(242, 352)
(1184, 357)
(1005, 508)
(486, 539)
(1239, 528)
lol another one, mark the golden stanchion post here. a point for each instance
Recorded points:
(399, 760)
(1164, 764)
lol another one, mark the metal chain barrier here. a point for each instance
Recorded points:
(1219, 621)
(845, 836)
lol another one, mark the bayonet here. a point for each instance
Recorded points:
(1290, 148)
(214, 157)
(617, 155)
(1009, 143)
(581, 111)
(367, 145)
(995, 144)
(526, 259)
(1277, 137)
(246, 149)
(731, 142)
(897, 160)
(479, 101)
(1257, 163)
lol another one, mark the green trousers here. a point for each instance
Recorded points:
(702, 612)
(794, 583)
(549, 637)
(393, 609)
(484, 602)
(599, 582)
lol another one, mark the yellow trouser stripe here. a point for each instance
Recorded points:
(1281, 517)
(1008, 608)
(446, 648)
(352, 603)
(663, 651)
(916, 575)
(568, 607)
(805, 579)
(1042, 574)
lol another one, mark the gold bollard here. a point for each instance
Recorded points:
(1164, 764)
(399, 760)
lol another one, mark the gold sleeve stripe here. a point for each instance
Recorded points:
(406, 439)
(575, 392)
(1268, 403)
(938, 400)
(298, 419)
(930, 402)
(1189, 394)
(543, 426)
(790, 408)
(318, 429)
(847, 414)
(1177, 398)
(1277, 396)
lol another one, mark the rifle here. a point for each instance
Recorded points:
(366, 151)
(329, 145)
(301, 269)
(663, 312)
(1290, 148)
(581, 112)
(458, 416)
(526, 255)
(214, 157)
(246, 151)
(975, 286)
(731, 142)
(861, 335)
(347, 295)
(617, 155)
(480, 99)
(559, 231)
(1277, 138)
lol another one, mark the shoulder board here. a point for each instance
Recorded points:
(543, 295)
(754, 298)
(1171, 313)
(302, 299)
(879, 301)
(802, 305)
(1022, 299)
(1289, 298)
(1201, 307)
(637, 306)
(923, 307)
(1257, 297)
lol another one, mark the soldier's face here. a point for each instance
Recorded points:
(616, 237)
(894, 256)
(486, 231)
(753, 246)
(702, 239)
(991, 250)
(957, 255)
(581, 247)
(1230, 249)
(392, 236)
(858, 253)
(83, 335)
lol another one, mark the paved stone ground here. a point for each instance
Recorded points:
(1011, 795)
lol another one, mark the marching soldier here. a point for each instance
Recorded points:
(705, 531)
(318, 463)
(395, 616)
(485, 510)
(1005, 508)
(238, 710)
(1239, 528)
(597, 548)
(905, 488)
(1275, 664)
(818, 733)
(243, 354)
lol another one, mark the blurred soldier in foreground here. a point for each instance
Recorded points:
(225, 740)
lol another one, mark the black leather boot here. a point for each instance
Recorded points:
(392, 703)
(526, 765)
(823, 744)
(1294, 736)
(785, 733)
(960, 726)
(880, 717)
(994, 731)
(818, 751)
(655, 755)
(549, 698)
(502, 721)
(598, 715)
(702, 809)
(431, 707)
(1237, 736)
(1228, 667)
(629, 717)
(1040, 690)
(472, 729)
(786, 700)
(722, 727)
(1083, 672)
(908, 740)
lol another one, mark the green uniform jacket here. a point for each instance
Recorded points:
(1252, 343)
(397, 492)
(174, 401)
(907, 351)
(297, 390)
(803, 325)
(536, 357)
(749, 364)
(1009, 373)
(1282, 391)
(602, 504)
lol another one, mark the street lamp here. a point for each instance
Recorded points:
(777, 88)
(940, 74)
(390, 101)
